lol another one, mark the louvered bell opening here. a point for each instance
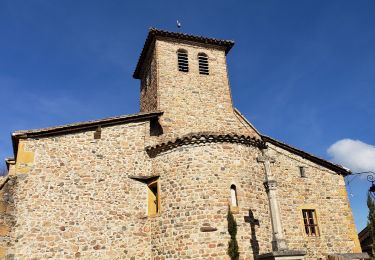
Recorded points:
(203, 65)
(183, 64)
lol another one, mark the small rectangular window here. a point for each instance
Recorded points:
(153, 198)
(98, 133)
(310, 222)
(302, 171)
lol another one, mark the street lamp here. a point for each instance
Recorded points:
(371, 179)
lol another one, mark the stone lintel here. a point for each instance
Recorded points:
(284, 255)
(208, 229)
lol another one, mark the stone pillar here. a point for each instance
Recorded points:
(280, 249)
(278, 240)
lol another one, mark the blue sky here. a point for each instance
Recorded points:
(300, 71)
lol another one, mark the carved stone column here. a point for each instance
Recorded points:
(280, 249)
(278, 240)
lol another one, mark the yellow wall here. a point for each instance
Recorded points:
(153, 209)
(24, 158)
(352, 229)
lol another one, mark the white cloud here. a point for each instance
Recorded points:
(353, 154)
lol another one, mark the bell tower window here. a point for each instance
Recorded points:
(182, 59)
(203, 64)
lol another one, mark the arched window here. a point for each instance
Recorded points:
(182, 59)
(233, 196)
(203, 64)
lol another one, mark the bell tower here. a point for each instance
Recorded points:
(186, 77)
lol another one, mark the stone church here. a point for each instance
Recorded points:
(159, 184)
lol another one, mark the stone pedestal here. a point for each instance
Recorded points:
(284, 255)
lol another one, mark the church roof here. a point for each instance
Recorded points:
(81, 126)
(109, 121)
(154, 33)
(334, 167)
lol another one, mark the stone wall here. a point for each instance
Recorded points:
(148, 96)
(7, 215)
(75, 198)
(322, 190)
(195, 183)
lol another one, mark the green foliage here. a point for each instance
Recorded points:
(232, 225)
(232, 229)
(371, 218)
(233, 249)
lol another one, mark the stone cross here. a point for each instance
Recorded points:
(278, 240)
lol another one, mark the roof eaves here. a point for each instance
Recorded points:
(9, 161)
(334, 167)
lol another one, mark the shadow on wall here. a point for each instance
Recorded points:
(253, 241)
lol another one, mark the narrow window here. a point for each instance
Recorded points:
(310, 222)
(153, 198)
(302, 172)
(182, 58)
(203, 64)
(98, 133)
(233, 196)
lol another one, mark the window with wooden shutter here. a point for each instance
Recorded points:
(310, 222)
(203, 64)
(153, 198)
(182, 59)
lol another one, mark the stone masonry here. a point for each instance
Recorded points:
(81, 191)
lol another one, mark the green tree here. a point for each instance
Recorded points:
(232, 229)
(371, 219)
